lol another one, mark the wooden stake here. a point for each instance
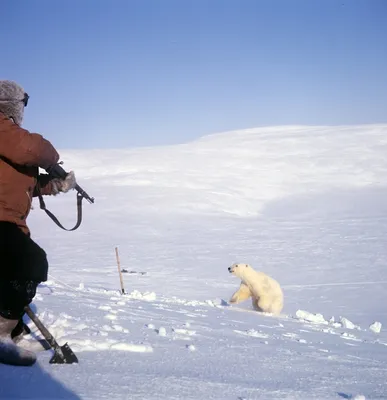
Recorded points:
(119, 272)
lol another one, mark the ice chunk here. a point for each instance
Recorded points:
(347, 323)
(307, 316)
(376, 327)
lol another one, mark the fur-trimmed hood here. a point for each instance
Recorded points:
(12, 100)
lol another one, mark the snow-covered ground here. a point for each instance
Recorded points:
(306, 205)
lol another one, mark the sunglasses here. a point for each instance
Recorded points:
(24, 100)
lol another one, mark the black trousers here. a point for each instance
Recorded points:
(23, 265)
(14, 296)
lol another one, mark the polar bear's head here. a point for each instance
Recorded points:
(239, 269)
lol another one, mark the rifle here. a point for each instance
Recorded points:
(56, 171)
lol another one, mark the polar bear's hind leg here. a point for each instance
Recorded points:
(277, 305)
(256, 307)
(264, 304)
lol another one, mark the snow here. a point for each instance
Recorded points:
(309, 317)
(376, 327)
(305, 204)
(346, 323)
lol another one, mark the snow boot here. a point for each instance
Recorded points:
(19, 331)
(10, 353)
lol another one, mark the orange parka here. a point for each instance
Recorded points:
(21, 155)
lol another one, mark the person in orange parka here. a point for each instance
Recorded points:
(23, 263)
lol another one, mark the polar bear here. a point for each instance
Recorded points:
(266, 293)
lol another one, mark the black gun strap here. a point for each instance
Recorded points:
(55, 219)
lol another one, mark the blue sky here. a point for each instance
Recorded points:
(124, 73)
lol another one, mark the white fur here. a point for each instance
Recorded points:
(266, 293)
(64, 185)
(11, 104)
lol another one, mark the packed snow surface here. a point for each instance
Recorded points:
(305, 204)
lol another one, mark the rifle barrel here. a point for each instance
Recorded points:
(84, 194)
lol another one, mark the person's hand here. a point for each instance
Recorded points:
(64, 185)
